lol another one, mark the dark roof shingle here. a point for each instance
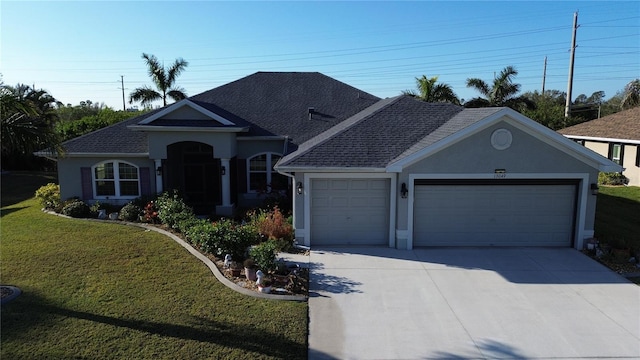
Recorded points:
(374, 137)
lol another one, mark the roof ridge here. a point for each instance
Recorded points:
(341, 127)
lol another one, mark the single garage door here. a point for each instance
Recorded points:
(517, 213)
(349, 212)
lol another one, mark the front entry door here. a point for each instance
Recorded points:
(196, 174)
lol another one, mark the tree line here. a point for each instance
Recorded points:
(547, 109)
(32, 119)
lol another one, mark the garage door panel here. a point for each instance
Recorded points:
(350, 211)
(495, 215)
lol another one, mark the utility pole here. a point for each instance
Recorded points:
(567, 108)
(544, 74)
(124, 106)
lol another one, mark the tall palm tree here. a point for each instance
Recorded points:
(28, 119)
(163, 79)
(502, 92)
(430, 91)
(631, 95)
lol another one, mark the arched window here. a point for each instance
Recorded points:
(262, 177)
(116, 179)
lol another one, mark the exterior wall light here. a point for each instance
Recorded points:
(159, 171)
(594, 189)
(299, 188)
(404, 192)
(223, 170)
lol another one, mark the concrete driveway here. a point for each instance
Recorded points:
(469, 303)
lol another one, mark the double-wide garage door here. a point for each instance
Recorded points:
(349, 211)
(494, 214)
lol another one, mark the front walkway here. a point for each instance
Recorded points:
(380, 303)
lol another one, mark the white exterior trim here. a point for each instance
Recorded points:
(103, 155)
(306, 232)
(187, 128)
(188, 103)
(581, 211)
(521, 122)
(332, 170)
(603, 139)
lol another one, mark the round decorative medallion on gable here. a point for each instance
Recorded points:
(501, 139)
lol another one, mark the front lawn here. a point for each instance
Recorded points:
(103, 290)
(618, 214)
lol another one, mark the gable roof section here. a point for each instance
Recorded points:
(374, 137)
(479, 120)
(277, 103)
(623, 126)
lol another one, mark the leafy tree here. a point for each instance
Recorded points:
(430, 91)
(549, 109)
(77, 112)
(163, 79)
(631, 96)
(28, 118)
(104, 117)
(502, 92)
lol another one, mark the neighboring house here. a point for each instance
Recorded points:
(397, 172)
(616, 137)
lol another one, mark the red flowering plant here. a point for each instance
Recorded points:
(151, 213)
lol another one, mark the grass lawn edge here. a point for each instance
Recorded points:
(214, 269)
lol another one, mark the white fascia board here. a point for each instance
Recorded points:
(292, 169)
(187, 129)
(182, 103)
(254, 138)
(109, 155)
(602, 139)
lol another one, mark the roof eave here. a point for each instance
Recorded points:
(152, 128)
(602, 139)
(333, 169)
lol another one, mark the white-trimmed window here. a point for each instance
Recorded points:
(616, 153)
(116, 179)
(262, 177)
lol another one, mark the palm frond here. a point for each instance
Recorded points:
(480, 85)
(177, 94)
(145, 95)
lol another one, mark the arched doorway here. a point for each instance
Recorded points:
(192, 169)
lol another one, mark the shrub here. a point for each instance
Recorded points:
(612, 178)
(172, 209)
(150, 213)
(264, 255)
(230, 238)
(130, 212)
(76, 209)
(49, 196)
(184, 225)
(273, 225)
(199, 232)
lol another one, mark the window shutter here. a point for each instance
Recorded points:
(638, 155)
(85, 180)
(145, 181)
(242, 175)
(610, 155)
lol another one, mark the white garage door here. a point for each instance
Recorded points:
(518, 214)
(349, 212)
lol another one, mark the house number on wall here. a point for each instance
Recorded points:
(500, 175)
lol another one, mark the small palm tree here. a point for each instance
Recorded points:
(163, 79)
(631, 95)
(501, 93)
(430, 91)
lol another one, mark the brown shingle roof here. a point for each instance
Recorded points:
(624, 125)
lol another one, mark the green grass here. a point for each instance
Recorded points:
(618, 214)
(99, 290)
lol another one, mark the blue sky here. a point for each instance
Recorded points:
(78, 50)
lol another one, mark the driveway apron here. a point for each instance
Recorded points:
(469, 303)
